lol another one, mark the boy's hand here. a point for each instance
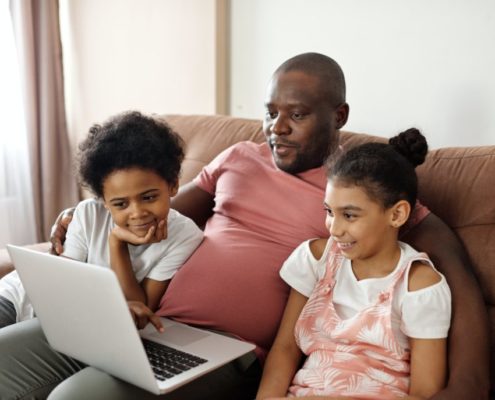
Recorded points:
(154, 235)
(141, 314)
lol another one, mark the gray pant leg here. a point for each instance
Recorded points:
(29, 367)
(8, 316)
(228, 382)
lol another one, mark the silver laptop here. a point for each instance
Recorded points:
(84, 314)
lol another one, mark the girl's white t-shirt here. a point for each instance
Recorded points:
(422, 314)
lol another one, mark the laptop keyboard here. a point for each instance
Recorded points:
(168, 362)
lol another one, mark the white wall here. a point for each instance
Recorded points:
(407, 63)
(157, 56)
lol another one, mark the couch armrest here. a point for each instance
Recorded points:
(6, 264)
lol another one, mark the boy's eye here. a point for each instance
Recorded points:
(349, 215)
(120, 204)
(150, 197)
(271, 114)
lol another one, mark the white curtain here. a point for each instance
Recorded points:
(17, 220)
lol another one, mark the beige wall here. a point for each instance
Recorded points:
(156, 56)
(408, 63)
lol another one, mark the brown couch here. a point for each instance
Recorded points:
(457, 184)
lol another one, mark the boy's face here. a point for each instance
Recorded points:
(137, 199)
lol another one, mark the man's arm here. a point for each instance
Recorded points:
(468, 345)
(194, 203)
(59, 231)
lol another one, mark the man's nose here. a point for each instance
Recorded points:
(280, 126)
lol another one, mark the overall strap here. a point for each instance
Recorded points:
(406, 266)
(334, 258)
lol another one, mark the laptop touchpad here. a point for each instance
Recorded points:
(182, 336)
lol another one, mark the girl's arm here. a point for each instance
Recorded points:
(284, 356)
(428, 356)
(428, 367)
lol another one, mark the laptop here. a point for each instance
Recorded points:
(84, 314)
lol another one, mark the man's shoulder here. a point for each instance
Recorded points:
(245, 151)
(249, 146)
(418, 215)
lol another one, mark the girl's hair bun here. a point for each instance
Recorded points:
(411, 144)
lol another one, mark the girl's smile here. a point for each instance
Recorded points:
(362, 228)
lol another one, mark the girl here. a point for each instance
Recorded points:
(132, 164)
(369, 313)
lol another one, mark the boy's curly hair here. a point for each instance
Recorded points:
(129, 140)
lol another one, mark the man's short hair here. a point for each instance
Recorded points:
(325, 68)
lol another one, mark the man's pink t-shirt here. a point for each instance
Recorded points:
(231, 282)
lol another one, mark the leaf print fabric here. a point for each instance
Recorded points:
(357, 357)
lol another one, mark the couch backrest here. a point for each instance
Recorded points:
(206, 136)
(457, 184)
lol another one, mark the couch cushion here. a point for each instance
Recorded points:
(458, 185)
(207, 136)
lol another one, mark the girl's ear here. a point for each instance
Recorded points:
(399, 213)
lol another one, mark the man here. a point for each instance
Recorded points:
(259, 202)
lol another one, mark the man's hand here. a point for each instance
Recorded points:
(154, 235)
(141, 314)
(59, 231)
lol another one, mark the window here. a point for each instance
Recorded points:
(16, 199)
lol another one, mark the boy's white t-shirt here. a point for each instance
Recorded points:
(87, 240)
(423, 314)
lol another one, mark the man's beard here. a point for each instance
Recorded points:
(313, 157)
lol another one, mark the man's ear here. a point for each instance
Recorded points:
(342, 113)
(399, 213)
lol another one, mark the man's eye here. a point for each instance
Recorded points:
(271, 114)
(298, 116)
(329, 212)
(349, 216)
(119, 204)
